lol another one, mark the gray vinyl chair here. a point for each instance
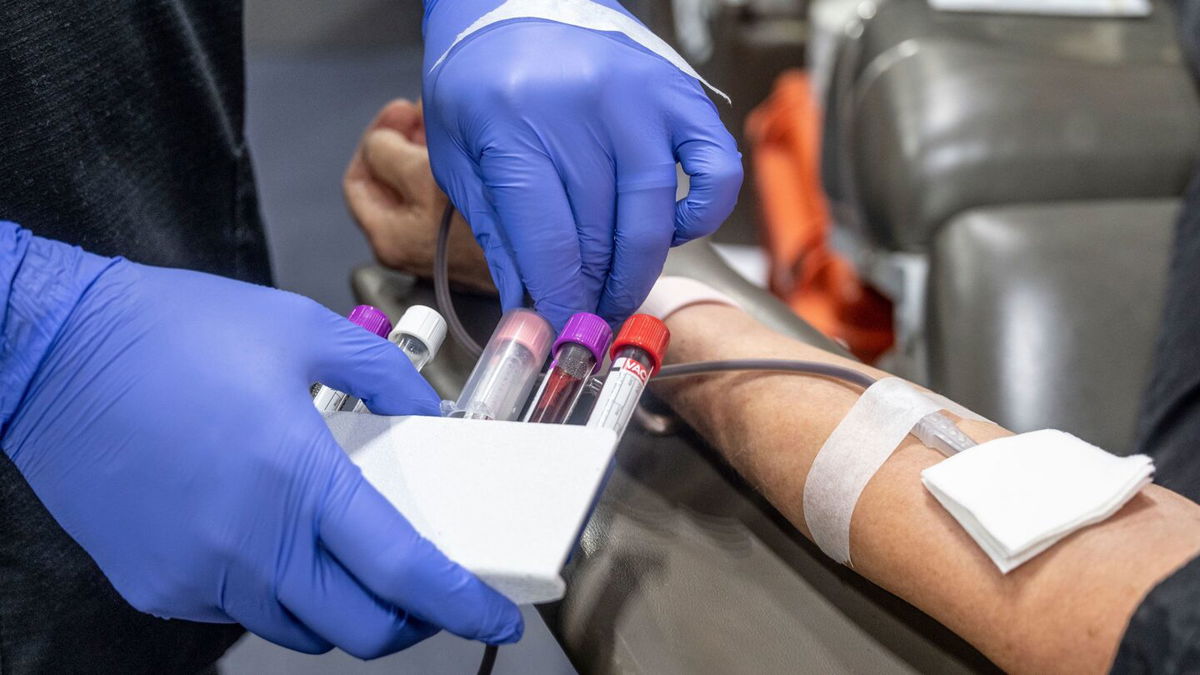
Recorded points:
(1011, 183)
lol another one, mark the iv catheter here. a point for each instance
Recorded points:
(935, 430)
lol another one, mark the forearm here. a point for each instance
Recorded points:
(1065, 610)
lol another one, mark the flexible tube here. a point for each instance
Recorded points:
(441, 287)
(783, 365)
(488, 663)
(936, 430)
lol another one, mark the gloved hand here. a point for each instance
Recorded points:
(559, 145)
(165, 423)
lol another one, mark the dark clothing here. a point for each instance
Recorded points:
(120, 131)
(1164, 634)
(1169, 425)
(59, 614)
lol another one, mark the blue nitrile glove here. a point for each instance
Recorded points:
(163, 418)
(558, 144)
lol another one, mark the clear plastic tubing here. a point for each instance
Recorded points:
(637, 354)
(506, 372)
(419, 334)
(942, 434)
(578, 354)
(327, 399)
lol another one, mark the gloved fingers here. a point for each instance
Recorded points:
(528, 194)
(709, 156)
(383, 551)
(352, 360)
(590, 178)
(277, 625)
(330, 602)
(459, 179)
(646, 183)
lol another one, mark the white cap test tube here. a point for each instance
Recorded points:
(419, 334)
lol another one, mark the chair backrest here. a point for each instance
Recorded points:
(1046, 316)
(934, 113)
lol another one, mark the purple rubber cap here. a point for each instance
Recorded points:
(588, 330)
(372, 319)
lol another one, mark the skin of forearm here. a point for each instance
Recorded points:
(1064, 611)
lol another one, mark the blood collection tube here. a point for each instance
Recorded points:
(328, 399)
(419, 334)
(578, 353)
(507, 370)
(637, 354)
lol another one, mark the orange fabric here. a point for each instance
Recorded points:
(820, 285)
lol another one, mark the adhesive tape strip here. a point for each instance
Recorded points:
(947, 404)
(671, 294)
(853, 453)
(584, 14)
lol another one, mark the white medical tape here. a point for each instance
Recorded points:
(585, 14)
(853, 453)
(671, 294)
(951, 406)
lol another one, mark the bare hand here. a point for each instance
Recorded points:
(391, 193)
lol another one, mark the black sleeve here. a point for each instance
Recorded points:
(1169, 424)
(1164, 634)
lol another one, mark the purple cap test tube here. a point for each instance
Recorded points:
(371, 318)
(588, 331)
(328, 399)
(578, 353)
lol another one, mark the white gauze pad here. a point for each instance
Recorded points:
(853, 453)
(585, 14)
(1017, 496)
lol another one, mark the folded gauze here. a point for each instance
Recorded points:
(1018, 496)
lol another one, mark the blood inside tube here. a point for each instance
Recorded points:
(563, 385)
(558, 396)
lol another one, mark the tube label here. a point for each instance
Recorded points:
(626, 379)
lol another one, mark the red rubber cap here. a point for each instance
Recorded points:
(646, 332)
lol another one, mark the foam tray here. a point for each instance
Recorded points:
(506, 500)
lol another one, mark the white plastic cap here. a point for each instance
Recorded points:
(423, 323)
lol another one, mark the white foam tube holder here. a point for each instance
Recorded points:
(506, 500)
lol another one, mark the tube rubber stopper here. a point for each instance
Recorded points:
(646, 333)
(589, 331)
(423, 323)
(525, 327)
(371, 318)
